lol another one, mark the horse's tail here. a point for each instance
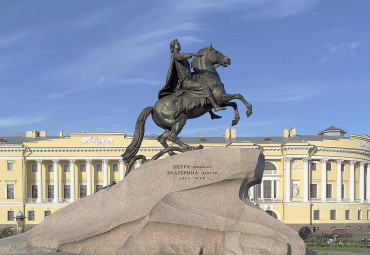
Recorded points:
(134, 146)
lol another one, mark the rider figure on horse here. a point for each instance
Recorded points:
(179, 77)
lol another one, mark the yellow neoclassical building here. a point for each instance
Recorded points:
(321, 180)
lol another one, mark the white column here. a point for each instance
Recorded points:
(39, 181)
(362, 182)
(89, 181)
(339, 180)
(262, 188)
(272, 189)
(56, 180)
(323, 179)
(305, 179)
(121, 169)
(73, 179)
(287, 180)
(105, 172)
(352, 181)
(25, 179)
(251, 191)
(368, 183)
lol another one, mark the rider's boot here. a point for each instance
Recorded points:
(214, 116)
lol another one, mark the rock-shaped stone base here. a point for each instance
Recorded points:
(191, 203)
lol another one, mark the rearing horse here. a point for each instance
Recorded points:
(171, 112)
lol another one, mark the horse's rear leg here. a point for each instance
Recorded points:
(236, 112)
(176, 129)
(228, 97)
(162, 139)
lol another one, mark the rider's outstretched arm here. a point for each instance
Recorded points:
(183, 56)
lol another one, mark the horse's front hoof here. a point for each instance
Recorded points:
(234, 122)
(249, 112)
(199, 147)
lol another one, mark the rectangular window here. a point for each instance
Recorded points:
(99, 168)
(328, 166)
(115, 167)
(83, 191)
(10, 191)
(34, 168)
(82, 168)
(47, 213)
(98, 187)
(31, 215)
(66, 168)
(342, 167)
(50, 191)
(316, 214)
(333, 214)
(329, 190)
(359, 214)
(34, 191)
(313, 166)
(313, 190)
(10, 216)
(267, 189)
(67, 191)
(343, 190)
(348, 214)
(258, 191)
(50, 168)
(10, 165)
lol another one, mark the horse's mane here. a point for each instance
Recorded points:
(196, 60)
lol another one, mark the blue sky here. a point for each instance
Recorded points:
(94, 65)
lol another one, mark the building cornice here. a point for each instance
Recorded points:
(344, 150)
(10, 149)
(297, 147)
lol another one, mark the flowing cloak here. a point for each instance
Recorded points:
(171, 81)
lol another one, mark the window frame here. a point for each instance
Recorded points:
(82, 185)
(66, 168)
(82, 169)
(10, 162)
(8, 213)
(99, 167)
(329, 166)
(34, 191)
(331, 190)
(334, 214)
(50, 168)
(34, 168)
(113, 168)
(29, 212)
(65, 190)
(313, 164)
(7, 192)
(349, 214)
(317, 193)
(314, 214)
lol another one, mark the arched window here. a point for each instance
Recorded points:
(270, 168)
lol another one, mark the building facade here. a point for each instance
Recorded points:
(321, 181)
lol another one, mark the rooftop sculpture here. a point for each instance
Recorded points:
(185, 95)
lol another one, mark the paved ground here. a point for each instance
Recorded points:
(335, 252)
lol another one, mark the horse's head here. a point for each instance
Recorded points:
(210, 58)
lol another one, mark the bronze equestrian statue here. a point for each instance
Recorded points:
(185, 96)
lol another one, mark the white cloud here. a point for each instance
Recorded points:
(340, 49)
(262, 9)
(287, 93)
(18, 120)
(12, 39)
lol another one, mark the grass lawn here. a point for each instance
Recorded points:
(339, 249)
